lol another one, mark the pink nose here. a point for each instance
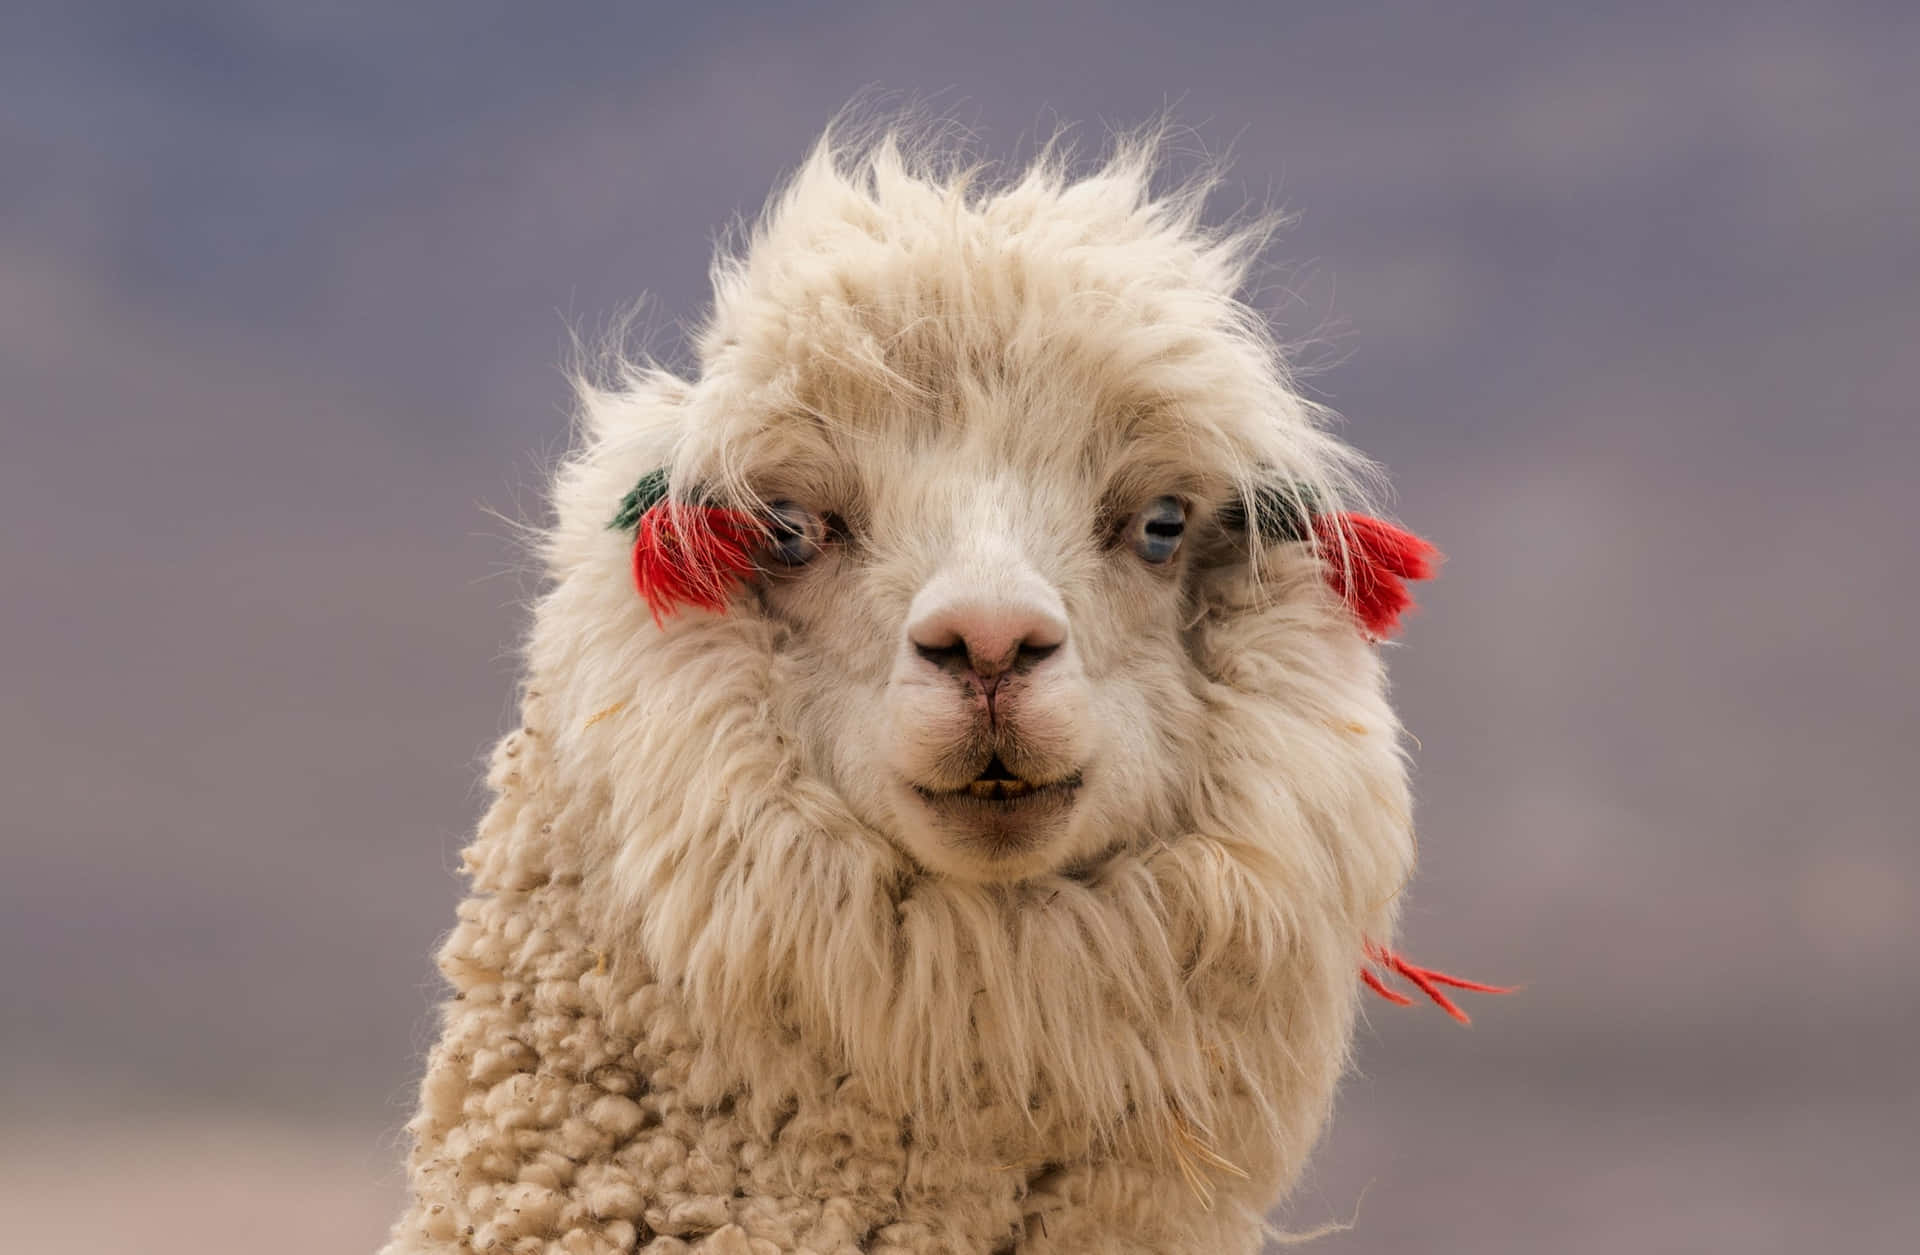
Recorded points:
(989, 638)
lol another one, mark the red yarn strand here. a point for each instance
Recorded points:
(1378, 986)
(1427, 980)
(1379, 559)
(692, 555)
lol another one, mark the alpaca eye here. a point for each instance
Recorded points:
(794, 533)
(1156, 531)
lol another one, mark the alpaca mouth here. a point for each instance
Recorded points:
(999, 819)
(997, 783)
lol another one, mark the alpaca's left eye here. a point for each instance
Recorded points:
(795, 534)
(1156, 531)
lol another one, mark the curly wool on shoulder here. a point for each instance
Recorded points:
(957, 803)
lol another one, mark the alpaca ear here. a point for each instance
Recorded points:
(1367, 561)
(1269, 513)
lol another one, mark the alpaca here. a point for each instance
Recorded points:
(956, 803)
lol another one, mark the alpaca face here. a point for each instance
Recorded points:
(986, 644)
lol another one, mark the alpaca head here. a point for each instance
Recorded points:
(1002, 445)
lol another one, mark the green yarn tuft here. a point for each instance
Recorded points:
(648, 493)
(1285, 512)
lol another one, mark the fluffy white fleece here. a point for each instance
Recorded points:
(717, 987)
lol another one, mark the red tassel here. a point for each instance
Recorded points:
(1425, 979)
(692, 555)
(1380, 559)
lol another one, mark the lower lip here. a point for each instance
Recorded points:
(1002, 824)
(1014, 802)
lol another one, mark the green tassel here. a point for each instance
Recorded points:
(1285, 512)
(648, 493)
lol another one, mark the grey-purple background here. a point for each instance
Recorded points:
(1627, 299)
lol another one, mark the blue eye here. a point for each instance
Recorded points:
(794, 534)
(1156, 531)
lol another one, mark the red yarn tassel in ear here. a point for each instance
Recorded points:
(692, 555)
(1425, 979)
(1379, 560)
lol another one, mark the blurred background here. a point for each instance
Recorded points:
(1624, 297)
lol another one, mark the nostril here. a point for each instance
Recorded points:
(951, 657)
(1032, 655)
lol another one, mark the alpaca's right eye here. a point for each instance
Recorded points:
(795, 534)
